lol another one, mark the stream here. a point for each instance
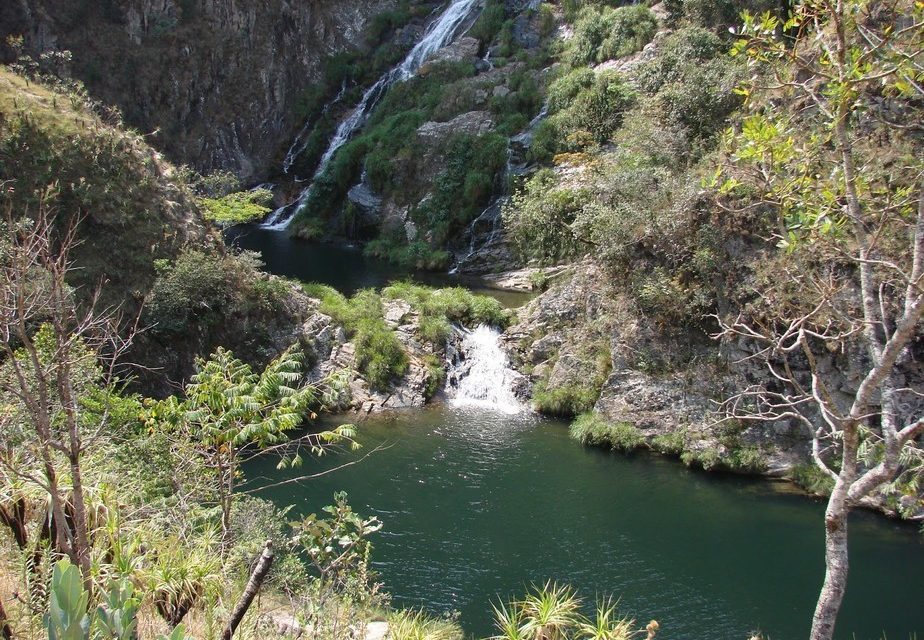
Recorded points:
(478, 503)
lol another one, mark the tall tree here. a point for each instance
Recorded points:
(54, 350)
(834, 149)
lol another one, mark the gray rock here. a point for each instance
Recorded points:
(472, 123)
(462, 50)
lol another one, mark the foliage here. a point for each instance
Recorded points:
(418, 625)
(55, 151)
(337, 545)
(238, 208)
(204, 289)
(671, 443)
(565, 400)
(451, 304)
(379, 355)
(605, 33)
(539, 218)
(553, 612)
(593, 430)
(812, 479)
(68, 617)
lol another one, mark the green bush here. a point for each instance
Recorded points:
(238, 208)
(489, 23)
(593, 430)
(201, 290)
(606, 33)
(539, 218)
(681, 51)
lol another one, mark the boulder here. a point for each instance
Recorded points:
(473, 123)
(462, 50)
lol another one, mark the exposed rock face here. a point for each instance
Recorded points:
(665, 384)
(473, 123)
(464, 49)
(563, 334)
(219, 81)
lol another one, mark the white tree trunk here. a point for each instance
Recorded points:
(836, 565)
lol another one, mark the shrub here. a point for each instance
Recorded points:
(539, 218)
(489, 23)
(683, 50)
(607, 33)
(201, 290)
(593, 430)
(238, 208)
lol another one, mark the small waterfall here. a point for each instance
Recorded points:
(440, 32)
(301, 142)
(481, 375)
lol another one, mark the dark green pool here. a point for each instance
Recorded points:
(477, 505)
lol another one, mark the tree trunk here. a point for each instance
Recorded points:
(81, 529)
(250, 591)
(836, 565)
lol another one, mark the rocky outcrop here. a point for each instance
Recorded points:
(334, 357)
(473, 123)
(218, 83)
(584, 332)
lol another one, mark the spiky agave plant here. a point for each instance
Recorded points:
(607, 624)
(410, 624)
(550, 612)
(508, 620)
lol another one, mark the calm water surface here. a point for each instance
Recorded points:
(345, 268)
(477, 505)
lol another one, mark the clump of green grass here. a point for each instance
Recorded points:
(416, 625)
(593, 430)
(237, 208)
(669, 444)
(565, 401)
(438, 308)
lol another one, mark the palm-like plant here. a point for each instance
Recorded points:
(550, 612)
(229, 409)
(508, 620)
(607, 624)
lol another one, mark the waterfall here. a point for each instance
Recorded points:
(301, 142)
(440, 32)
(481, 375)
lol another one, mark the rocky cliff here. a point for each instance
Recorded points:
(217, 82)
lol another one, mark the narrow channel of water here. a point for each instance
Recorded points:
(477, 505)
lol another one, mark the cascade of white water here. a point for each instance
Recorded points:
(301, 142)
(481, 376)
(439, 33)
